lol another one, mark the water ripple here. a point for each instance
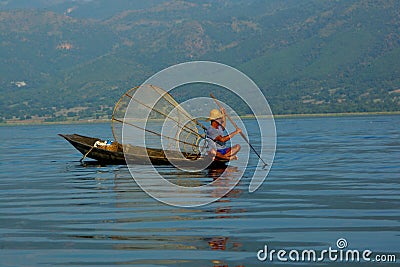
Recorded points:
(332, 178)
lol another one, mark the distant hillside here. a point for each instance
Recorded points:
(61, 60)
(96, 9)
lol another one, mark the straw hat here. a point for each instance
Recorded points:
(215, 114)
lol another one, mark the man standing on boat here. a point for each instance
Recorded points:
(216, 133)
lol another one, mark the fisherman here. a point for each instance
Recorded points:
(216, 133)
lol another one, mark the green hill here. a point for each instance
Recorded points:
(61, 60)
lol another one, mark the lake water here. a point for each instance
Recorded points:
(332, 178)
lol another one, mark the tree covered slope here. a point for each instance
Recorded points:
(62, 59)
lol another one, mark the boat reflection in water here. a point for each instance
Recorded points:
(159, 234)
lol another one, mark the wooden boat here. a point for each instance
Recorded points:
(114, 154)
(154, 109)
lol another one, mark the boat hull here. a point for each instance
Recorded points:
(134, 155)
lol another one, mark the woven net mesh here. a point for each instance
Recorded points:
(149, 116)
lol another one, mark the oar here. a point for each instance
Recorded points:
(87, 153)
(242, 134)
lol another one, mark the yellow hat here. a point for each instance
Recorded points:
(214, 115)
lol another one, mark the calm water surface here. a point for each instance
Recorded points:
(332, 178)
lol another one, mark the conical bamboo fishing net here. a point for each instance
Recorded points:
(148, 116)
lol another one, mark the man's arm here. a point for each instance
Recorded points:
(227, 137)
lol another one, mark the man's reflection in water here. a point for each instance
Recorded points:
(223, 177)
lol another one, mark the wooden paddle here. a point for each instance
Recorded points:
(241, 133)
(87, 153)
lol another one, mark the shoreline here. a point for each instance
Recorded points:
(349, 114)
(278, 116)
(321, 115)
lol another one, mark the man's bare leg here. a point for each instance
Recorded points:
(231, 154)
(233, 151)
